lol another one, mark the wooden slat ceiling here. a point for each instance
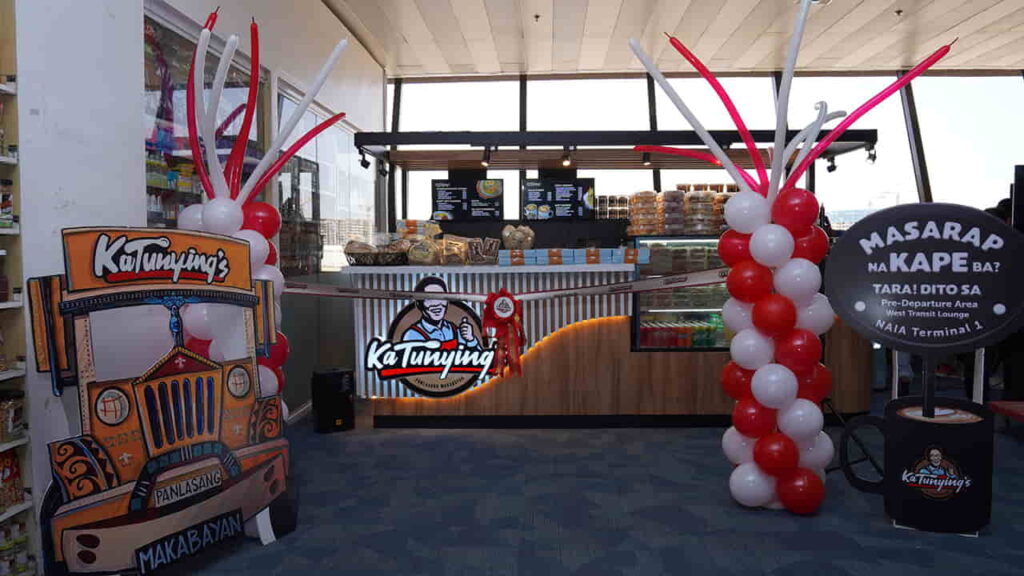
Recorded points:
(584, 159)
(414, 38)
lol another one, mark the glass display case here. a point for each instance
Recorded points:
(682, 319)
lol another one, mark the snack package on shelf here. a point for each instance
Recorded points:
(645, 215)
(517, 237)
(12, 492)
(12, 415)
(455, 250)
(418, 228)
(425, 252)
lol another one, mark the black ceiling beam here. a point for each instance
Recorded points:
(378, 142)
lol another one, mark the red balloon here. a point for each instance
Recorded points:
(261, 217)
(278, 352)
(774, 314)
(736, 381)
(752, 419)
(799, 350)
(201, 347)
(776, 454)
(271, 255)
(811, 245)
(801, 491)
(734, 247)
(749, 281)
(816, 384)
(795, 209)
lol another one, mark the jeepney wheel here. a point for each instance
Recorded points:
(284, 510)
(52, 500)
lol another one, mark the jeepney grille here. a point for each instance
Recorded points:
(180, 410)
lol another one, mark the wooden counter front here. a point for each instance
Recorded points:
(587, 368)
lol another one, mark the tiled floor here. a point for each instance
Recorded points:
(588, 502)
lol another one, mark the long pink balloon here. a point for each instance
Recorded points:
(697, 154)
(864, 109)
(741, 126)
(291, 151)
(237, 158)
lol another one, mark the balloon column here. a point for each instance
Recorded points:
(213, 330)
(776, 310)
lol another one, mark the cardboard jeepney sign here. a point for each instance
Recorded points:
(179, 456)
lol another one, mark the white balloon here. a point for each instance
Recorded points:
(799, 280)
(736, 315)
(801, 420)
(259, 248)
(269, 386)
(285, 412)
(747, 211)
(216, 354)
(771, 245)
(774, 386)
(817, 452)
(817, 316)
(751, 349)
(197, 321)
(271, 273)
(750, 486)
(821, 474)
(739, 449)
(191, 217)
(222, 216)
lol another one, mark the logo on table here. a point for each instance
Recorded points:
(434, 346)
(936, 475)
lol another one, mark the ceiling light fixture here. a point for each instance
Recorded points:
(831, 164)
(486, 160)
(646, 159)
(872, 155)
(566, 157)
(362, 159)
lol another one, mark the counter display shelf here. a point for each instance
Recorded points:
(683, 319)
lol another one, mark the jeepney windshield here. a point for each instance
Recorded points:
(127, 341)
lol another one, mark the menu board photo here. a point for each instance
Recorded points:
(461, 201)
(546, 198)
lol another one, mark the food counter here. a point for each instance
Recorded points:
(583, 356)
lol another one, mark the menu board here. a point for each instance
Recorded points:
(479, 200)
(547, 198)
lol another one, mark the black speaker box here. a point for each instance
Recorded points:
(334, 393)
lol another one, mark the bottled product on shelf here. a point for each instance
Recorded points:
(708, 333)
(15, 559)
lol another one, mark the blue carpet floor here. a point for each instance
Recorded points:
(587, 502)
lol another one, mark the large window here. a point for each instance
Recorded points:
(588, 104)
(326, 198)
(170, 172)
(857, 187)
(970, 128)
(753, 97)
(453, 106)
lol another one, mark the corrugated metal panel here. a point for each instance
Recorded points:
(541, 318)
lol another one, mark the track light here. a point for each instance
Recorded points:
(362, 159)
(566, 158)
(382, 170)
(872, 155)
(486, 160)
(831, 164)
(646, 158)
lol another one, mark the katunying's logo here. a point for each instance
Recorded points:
(434, 346)
(936, 476)
(124, 260)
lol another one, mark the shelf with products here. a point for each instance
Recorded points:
(682, 319)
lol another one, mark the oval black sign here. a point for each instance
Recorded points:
(926, 278)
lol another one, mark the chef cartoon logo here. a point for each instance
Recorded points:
(434, 346)
(936, 475)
